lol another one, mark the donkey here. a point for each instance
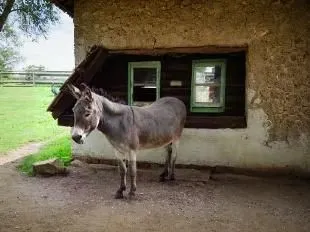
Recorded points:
(130, 129)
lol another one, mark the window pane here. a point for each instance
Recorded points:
(209, 74)
(144, 89)
(144, 76)
(207, 94)
(202, 94)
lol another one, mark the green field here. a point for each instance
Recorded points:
(23, 117)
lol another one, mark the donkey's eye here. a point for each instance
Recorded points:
(87, 115)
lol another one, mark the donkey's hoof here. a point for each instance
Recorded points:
(132, 195)
(162, 177)
(119, 195)
(172, 177)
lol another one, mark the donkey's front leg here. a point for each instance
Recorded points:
(132, 169)
(164, 174)
(122, 172)
(174, 154)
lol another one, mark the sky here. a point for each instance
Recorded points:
(56, 53)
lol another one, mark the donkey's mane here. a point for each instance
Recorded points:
(105, 94)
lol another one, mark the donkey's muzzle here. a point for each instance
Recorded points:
(77, 138)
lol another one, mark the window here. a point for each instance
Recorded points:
(208, 86)
(143, 82)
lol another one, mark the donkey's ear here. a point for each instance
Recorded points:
(74, 91)
(86, 91)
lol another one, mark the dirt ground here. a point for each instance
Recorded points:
(83, 201)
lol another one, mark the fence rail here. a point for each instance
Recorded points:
(33, 78)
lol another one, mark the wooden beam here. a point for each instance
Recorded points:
(182, 50)
(215, 122)
(209, 122)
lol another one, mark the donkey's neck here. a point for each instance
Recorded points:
(105, 106)
(111, 114)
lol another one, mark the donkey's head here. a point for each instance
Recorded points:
(86, 113)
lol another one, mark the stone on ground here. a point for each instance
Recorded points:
(77, 163)
(49, 167)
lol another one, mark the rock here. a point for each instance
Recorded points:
(77, 163)
(49, 167)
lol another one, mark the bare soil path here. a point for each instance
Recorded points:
(18, 153)
(83, 201)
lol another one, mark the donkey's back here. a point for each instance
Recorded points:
(170, 103)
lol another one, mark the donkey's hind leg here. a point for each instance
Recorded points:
(132, 169)
(164, 174)
(173, 158)
(122, 171)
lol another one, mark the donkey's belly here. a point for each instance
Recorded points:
(156, 142)
(150, 146)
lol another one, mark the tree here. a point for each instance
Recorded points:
(9, 49)
(33, 17)
(33, 68)
(8, 59)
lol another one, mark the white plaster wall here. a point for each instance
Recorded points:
(245, 148)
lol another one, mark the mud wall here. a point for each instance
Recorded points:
(277, 33)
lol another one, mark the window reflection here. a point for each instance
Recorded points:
(208, 84)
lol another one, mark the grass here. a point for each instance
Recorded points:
(58, 148)
(24, 118)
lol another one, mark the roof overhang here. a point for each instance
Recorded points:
(84, 72)
(65, 5)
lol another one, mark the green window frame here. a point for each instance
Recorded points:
(142, 64)
(209, 107)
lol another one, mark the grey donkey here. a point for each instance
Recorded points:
(130, 129)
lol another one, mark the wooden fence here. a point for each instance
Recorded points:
(33, 78)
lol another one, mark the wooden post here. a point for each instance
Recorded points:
(33, 81)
